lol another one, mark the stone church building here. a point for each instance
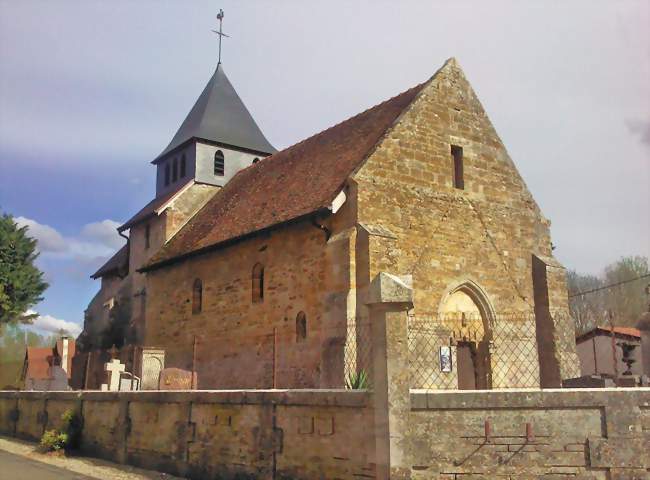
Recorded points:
(251, 267)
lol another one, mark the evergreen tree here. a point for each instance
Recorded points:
(21, 282)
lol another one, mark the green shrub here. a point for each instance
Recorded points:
(357, 381)
(53, 441)
(72, 426)
(67, 438)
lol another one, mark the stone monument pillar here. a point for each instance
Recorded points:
(390, 297)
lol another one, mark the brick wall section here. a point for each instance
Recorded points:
(574, 434)
(445, 236)
(236, 434)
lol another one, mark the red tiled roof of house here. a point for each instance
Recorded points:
(618, 331)
(630, 331)
(39, 361)
(298, 181)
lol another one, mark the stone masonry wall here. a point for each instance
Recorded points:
(550, 434)
(445, 237)
(131, 290)
(228, 435)
(237, 343)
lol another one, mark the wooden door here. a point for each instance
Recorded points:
(466, 365)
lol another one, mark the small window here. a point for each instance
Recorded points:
(167, 172)
(197, 296)
(457, 154)
(219, 164)
(256, 159)
(258, 283)
(147, 235)
(183, 166)
(301, 327)
(175, 170)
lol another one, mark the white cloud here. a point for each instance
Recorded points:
(96, 239)
(48, 323)
(49, 240)
(104, 232)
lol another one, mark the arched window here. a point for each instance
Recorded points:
(175, 170)
(197, 296)
(167, 171)
(301, 327)
(183, 166)
(256, 159)
(219, 164)
(258, 283)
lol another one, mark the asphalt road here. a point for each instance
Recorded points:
(15, 467)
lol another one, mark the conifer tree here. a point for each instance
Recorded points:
(21, 282)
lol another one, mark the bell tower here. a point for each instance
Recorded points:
(218, 137)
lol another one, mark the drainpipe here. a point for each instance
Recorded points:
(121, 234)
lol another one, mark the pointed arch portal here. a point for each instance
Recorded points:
(467, 310)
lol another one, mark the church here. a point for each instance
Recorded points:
(251, 267)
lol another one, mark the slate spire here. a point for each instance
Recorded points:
(219, 115)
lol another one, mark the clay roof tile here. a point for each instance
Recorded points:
(298, 181)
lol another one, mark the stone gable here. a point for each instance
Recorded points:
(485, 233)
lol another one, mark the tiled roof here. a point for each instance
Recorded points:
(116, 264)
(150, 208)
(630, 331)
(39, 361)
(295, 182)
(618, 332)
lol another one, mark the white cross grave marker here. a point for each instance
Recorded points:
(114, 368)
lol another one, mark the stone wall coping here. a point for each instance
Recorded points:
(527, 398)
(325, 398)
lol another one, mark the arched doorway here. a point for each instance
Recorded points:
(468, 316)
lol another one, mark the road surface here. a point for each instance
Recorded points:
(16, 467)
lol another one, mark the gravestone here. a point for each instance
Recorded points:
(177, 379)
(129, 382)
(114, 368)
(153, 361)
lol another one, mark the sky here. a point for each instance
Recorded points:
(92, 91)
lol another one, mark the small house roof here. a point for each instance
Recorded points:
(39, 361)
(619, 332)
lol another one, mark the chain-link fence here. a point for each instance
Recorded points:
(357, 354)
(466, 351)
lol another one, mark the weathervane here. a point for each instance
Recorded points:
(220, 32)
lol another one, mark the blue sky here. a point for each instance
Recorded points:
(91, 92)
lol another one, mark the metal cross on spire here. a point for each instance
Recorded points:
(220, 33)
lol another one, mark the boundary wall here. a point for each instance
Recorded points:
(211, 434)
